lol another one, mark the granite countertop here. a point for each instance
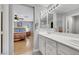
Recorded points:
(70, 40)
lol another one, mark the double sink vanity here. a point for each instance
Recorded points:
(60, 34)
(58, 43)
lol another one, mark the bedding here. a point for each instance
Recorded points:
(19, 36)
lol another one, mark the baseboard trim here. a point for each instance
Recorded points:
(35, 50)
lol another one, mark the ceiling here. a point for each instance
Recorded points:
(63, 8)
(29, 5)
(41, 5)
(44, 5)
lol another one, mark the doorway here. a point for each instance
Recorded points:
(23, 29)
(23, 37)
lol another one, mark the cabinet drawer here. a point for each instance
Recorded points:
(51, 42)
(62, 49)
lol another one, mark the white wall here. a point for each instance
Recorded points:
(23, 11)
(73, 25)
(60, 21)
(6, 41)
(76, 25)
(66, 15)
(37, 20)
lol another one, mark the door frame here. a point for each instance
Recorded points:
(11, 28)
(4, 42)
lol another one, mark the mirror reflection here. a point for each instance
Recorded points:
(43, 22)
(73, 25)
(64, 18)
(50, 20)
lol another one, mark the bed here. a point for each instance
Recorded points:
(19, 34)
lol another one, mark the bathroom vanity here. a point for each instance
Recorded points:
(59, 31)
(54, 44)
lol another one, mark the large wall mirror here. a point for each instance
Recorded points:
(67, 18)
(43, 22)
(50, 21)
(62, 19)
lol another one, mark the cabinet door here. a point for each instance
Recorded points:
(42, 44)
(65, 50)
(50, 47)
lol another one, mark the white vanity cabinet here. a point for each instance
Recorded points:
(65, 50)
(47, 46)
(50, 47)
(42, 44)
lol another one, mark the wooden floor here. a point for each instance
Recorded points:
(23, 46)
